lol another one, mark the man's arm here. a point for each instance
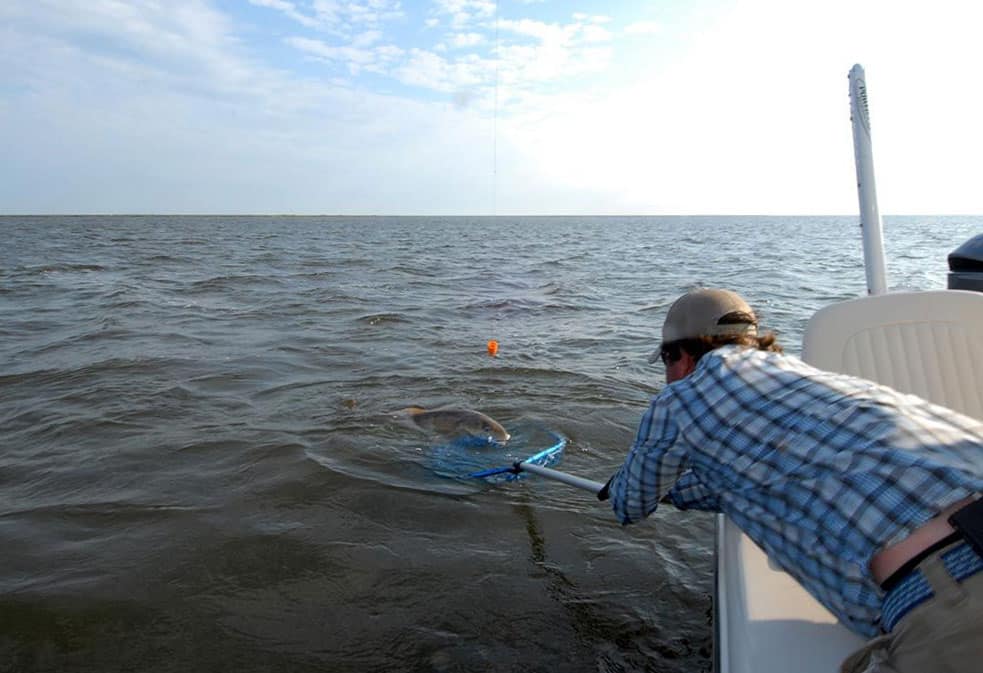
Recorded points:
(652, 466)
(691, 493)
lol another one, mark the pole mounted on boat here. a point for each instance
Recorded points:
(870, 218)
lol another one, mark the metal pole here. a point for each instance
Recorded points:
(870, 218)
(569, 479)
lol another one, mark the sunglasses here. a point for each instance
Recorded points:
(669, 353)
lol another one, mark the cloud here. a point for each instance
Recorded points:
(549, 33)
(431, 71)
(371, 12)
(117, 56)
(467, 40)
(643, 28)
(339, 18)
(355, 58)
(288, 9)
(180, 45)
(132, 107)
(582, 17)
(595, 34)
(464, 13)
(357, 24)
(580, 31)
(189, 106)
(367, 38)
(528, 54)
(556, 53)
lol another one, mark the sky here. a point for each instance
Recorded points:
(477, 107)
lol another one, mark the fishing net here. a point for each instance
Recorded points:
(471, 457)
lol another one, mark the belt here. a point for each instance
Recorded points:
(908, 588)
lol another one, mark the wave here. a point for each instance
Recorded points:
(92, 371)
(61, 268)
(521, 305)
(383, 319)
(116, 512)
(230, 282)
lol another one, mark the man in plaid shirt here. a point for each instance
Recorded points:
(870, 498)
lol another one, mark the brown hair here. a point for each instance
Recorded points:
(697, 347)
(700, 346)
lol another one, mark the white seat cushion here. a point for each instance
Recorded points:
(926, 343)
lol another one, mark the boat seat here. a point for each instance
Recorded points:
(926, 343)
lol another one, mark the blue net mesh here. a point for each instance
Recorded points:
(473, 458)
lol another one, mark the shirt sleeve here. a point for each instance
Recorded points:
(691, 493)
(653, 464)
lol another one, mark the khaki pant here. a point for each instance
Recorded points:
(942, 635)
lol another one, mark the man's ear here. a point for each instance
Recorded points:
(687, 361)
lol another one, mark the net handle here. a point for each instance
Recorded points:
(597, 488)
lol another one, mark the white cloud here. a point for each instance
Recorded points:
(367, 38)
(144, 105)
(467, 39)
(550, 33)
(373, 12)
(583, 17)
(334, 16)
(643, 28)
(355, 58)
(358, 25)
(464, 13)
(431, 71)
(558, 35)
(596, 34)
(168, 135)
(289, 9)
(389, 52)
(329, 12)
(558, 53)
(171, 45)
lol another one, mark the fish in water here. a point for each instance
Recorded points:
(458, 423)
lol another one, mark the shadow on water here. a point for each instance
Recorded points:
(101, 635)
(616, 644)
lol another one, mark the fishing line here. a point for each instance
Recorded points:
(495, 124)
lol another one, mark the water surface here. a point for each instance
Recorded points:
(200, 470)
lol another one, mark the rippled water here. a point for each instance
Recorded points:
(201, 470)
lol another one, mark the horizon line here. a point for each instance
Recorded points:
(461, 215)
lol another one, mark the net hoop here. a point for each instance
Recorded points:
(546, 457)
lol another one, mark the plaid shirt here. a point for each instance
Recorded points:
(821, 470)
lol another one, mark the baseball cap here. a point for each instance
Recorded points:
(698, 313)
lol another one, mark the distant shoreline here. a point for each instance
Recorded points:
(485, 216)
